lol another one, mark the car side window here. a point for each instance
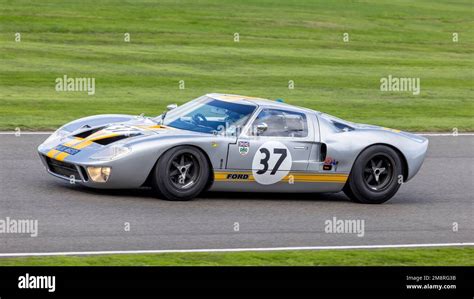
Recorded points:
(280, 123)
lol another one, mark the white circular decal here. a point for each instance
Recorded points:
(271, 163)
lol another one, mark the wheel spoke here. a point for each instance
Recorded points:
(376, 178)
(372, 163)
(368, 170)
(188, 176)
(370, 178)
(379, 163)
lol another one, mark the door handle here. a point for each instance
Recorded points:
(300, 147)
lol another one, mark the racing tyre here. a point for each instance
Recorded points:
(181, 173)
(375, 175)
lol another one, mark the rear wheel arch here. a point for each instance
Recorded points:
(362, 188)
(400, 154)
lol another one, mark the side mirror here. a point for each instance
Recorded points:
(261, 128)
(171, 106)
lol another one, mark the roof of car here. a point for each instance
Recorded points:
(255, 100)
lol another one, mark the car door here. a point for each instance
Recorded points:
(276, 142)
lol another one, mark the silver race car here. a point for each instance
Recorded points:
(223, 142)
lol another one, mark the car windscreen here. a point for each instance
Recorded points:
(207, 115)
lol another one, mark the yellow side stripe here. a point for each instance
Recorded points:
(317, 180)
(319, 177)
(296, 177)
(222, 176)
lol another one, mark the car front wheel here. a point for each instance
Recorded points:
(376, 175)
(181, 173)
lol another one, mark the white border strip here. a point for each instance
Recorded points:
(234, 249)
(49, 133)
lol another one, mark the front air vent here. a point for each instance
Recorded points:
(88, 132)
(61, 168)
(110, 140)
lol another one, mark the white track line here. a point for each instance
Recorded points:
(233, 249)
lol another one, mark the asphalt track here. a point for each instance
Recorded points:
(74, 218)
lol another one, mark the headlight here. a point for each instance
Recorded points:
(56, 135)
(99, 174)
(111, 153)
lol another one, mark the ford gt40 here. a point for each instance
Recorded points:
(221, 142)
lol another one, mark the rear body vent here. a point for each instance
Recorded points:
(323, 152)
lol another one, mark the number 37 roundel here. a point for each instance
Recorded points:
(271, 163)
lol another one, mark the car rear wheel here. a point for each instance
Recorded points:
(375, 176)
(181, 173)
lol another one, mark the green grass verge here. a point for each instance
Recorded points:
(279, 41)
(463, 256)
